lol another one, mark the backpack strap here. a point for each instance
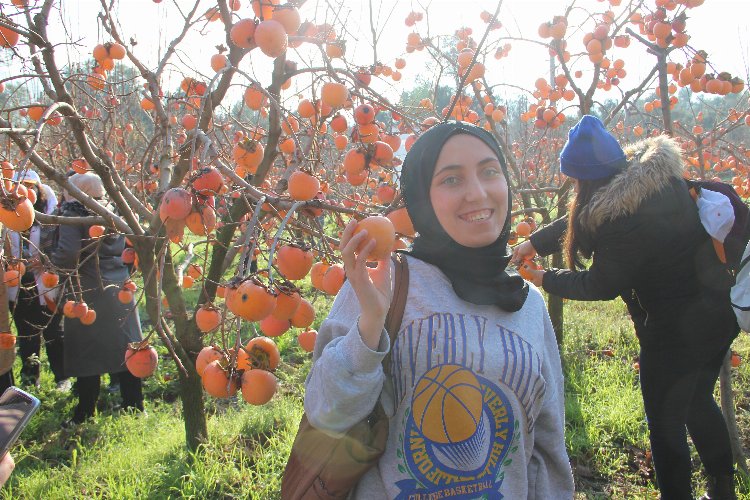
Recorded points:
(693, 190)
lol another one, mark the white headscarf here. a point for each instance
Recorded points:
(89, 183)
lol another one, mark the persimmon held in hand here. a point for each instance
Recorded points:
(381, 230)
(125, 296)
(523, 229)
(525, 269)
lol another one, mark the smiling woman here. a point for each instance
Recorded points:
(473, 385)
(469, 192)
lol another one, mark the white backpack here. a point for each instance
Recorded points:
(740, 293)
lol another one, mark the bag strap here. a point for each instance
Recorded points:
(398, 301)
(693, 189)
(744, 262)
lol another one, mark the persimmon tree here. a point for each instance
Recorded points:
(236, 181)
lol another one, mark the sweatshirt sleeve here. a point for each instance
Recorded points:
(346, 377)
(550, 475)
(547, 240)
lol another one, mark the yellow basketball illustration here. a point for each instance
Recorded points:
(447, 404)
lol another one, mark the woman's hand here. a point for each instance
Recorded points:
(522, 252)
(531, 272)
(6, 467)
(372, 286)
(536, 276)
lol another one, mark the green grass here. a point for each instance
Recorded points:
(143, 456)
(137, 456)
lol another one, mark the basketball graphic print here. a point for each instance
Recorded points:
(466, 393)
(447, 404)
(457, 436)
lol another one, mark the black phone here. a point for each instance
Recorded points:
(16, 409)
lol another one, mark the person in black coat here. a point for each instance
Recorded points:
(98, 348)
(633, 216)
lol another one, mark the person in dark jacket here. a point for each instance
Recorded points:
(633, 216)
(98, 348)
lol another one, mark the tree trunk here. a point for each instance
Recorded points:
(555, 303)
(189, 343)
(666, 108)
(191, 388)
(193, 409)
(727, 408)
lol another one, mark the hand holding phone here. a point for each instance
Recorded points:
(16, 409)
(6, 467)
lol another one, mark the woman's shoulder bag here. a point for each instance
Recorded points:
(325, 467)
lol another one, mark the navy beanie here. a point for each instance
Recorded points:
(591, 152)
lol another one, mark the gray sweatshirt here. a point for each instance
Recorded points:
(475, 395)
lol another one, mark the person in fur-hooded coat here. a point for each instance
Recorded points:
(635, 219)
